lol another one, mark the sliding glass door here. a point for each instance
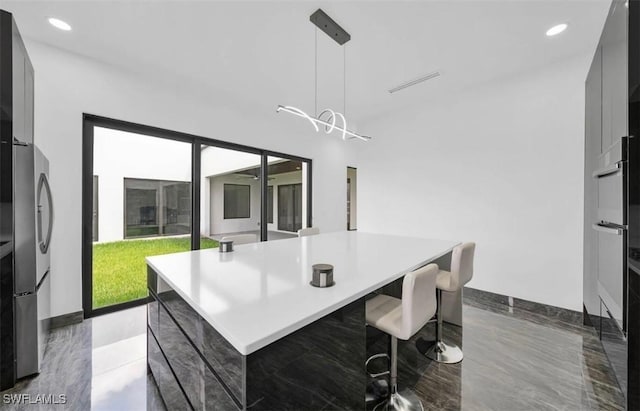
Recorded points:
(162, 192)
(145, 209)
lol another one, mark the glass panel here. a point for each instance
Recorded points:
(141, 210)
(176, 203)
(237, 201)
(157, 208)
(230, 194)
(289, 180)
(144, 198)
(270, 204)
(290, 207)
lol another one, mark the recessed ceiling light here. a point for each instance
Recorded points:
(557, 29)
(59, 24)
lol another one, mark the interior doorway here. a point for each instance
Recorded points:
(352, 198)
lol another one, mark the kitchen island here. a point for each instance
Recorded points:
(246, 330)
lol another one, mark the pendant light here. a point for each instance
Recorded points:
(330, 120)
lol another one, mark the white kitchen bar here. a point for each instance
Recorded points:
(246, 330)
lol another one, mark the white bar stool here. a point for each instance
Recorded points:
(451, 281)
(241, 238)
(303, 232)
(402, 318)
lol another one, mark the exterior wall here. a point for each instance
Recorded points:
(218, 224)
(119, 155)
(217, 161)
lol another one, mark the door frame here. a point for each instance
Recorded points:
(90, 121)
(95, 212)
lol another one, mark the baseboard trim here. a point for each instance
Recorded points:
(67, 319)
(487, 297)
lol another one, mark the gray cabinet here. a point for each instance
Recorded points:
(593, 149)
(22, 89)
(609, 162)
(613, 45)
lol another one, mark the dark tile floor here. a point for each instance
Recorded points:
(99, 364)
(514, 360)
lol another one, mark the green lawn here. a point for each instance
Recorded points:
(119, 269)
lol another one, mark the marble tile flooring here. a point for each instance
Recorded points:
(99, 364)
(514, 360)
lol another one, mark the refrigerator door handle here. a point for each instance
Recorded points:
(43, 183)
(603, 227)
(613, 169)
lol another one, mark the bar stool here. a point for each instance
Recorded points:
(241, 238)
(402, 318)
(303, 232)
(451, 281)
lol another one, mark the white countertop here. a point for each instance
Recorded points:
(260, 292)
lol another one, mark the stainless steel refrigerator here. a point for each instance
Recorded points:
(33, 221)
(25, 216)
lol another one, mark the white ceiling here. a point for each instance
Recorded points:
(262, 52)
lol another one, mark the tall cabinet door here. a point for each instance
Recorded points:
(22, 89)
(593, 148)
(16, 99)
(614, 44)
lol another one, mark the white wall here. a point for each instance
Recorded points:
(501, 165)
(216, 161)
(68, 85)
(219, 225)
(119, 155)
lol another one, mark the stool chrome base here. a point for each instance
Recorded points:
(406, 401)
(444, 353)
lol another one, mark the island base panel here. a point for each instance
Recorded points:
(320, 366)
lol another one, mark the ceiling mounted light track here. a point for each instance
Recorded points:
(327, 118)
(414, 82)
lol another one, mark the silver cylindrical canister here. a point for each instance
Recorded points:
(226, 246)
(322, 275)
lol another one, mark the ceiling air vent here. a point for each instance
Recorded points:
(414, 82)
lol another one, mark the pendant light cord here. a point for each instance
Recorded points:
(344, 80)
(316, 75)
